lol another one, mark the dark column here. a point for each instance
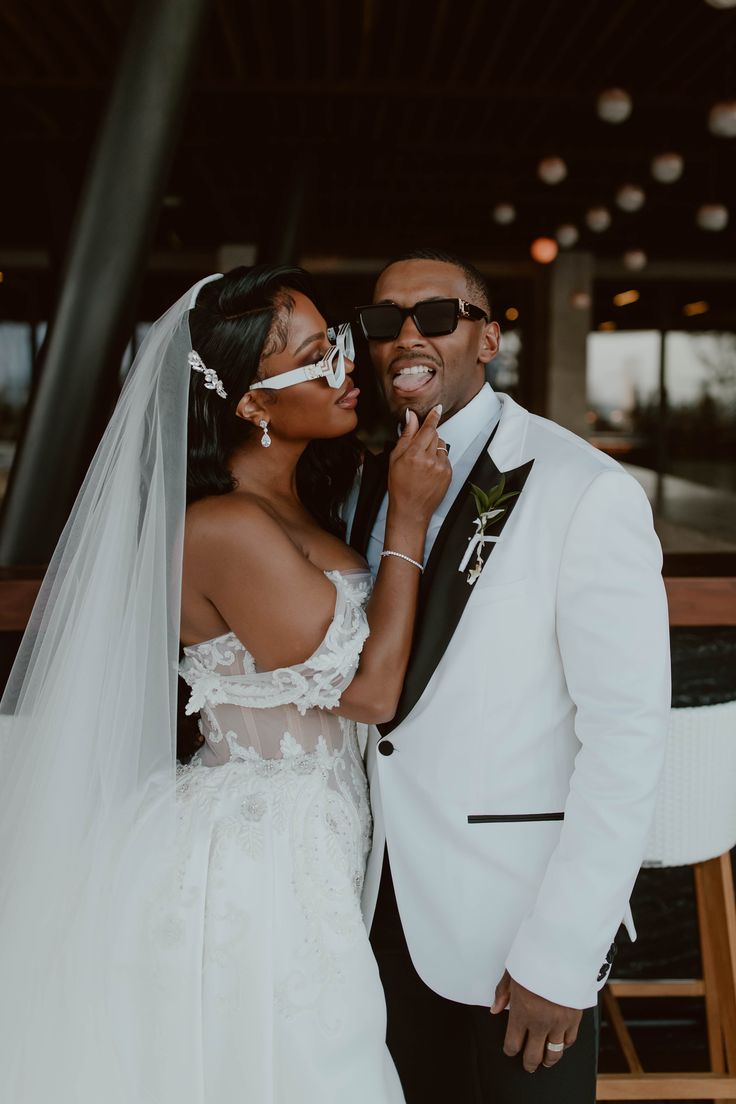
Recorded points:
(663, 459)
(115, 223)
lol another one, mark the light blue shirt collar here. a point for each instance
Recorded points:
(461, 430)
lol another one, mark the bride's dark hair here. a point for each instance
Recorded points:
(237, 321)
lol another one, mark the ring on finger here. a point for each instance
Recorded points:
(556, 1048)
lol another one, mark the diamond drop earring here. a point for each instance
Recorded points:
(265, 439)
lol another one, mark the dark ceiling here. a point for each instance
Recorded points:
(408, 121)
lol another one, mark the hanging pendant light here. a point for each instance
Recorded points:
(614, 105)
(504, 214)
(580, 300)
(598, 219)
(543, 250)
(567, 235)
(712, 216)
(630, 197)
(667, 167)
(634, 259)
(552, 170)
(722, 119)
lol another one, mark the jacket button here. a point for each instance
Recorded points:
(386, 747)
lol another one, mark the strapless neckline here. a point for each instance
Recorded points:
(187, 648)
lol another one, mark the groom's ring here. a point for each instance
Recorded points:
(556, 1047)
(442, 448)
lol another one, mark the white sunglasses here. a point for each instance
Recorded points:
(331, 366)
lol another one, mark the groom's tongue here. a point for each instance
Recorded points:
(408, 382)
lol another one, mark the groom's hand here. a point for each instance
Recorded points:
(536, 1020)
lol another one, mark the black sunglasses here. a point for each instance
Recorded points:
(432, 317)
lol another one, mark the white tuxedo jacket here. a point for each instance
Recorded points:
(515, 787)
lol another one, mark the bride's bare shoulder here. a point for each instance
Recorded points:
(223, 510)
(234, 527)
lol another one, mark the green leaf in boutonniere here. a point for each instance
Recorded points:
(489, 507)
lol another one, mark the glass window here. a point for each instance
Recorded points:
(690, 431)
(16, 368)
(700, 378)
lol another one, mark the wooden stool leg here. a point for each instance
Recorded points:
(718, 892)
(621, 1031)
(710, 971)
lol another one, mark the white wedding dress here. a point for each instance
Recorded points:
(247, 936)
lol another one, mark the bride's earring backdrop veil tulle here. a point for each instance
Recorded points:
(88, 738)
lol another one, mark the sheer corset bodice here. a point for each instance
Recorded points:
(252, 715)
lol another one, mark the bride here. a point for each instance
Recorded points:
(192, 934)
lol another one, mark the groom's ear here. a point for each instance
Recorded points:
(251, 408)
(490, 342)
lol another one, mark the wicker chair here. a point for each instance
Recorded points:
(695, 824)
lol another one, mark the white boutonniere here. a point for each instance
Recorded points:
(489, 506)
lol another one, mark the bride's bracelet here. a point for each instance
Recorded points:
(401, 556)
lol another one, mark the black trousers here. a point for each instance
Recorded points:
(453, 1053)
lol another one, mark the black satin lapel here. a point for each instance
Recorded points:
(373, 484)
(445, 590)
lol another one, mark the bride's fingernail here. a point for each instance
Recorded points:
(438, 408)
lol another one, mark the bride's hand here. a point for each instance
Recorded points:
(419, 469)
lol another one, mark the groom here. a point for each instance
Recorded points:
(513, 791)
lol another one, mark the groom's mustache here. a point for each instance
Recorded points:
(413, 358)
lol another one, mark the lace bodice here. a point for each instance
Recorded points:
(250, 942)
(276, 715)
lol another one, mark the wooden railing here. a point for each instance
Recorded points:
(701, 590)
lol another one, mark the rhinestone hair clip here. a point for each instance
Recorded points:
(211, 379)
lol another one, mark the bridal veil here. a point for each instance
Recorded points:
(88, 738)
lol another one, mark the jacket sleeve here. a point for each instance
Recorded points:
(613, 636)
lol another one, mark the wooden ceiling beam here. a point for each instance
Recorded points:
(716, 35)
(606, 61)
(99, 44)
(562, 48)
(440, 35)
(39, 114)
(329, 34)
(548, 28)
(616, 13)
(263, 52)
(68, 50)
(495, 95)
(367, 38)
(231, 38)
(467, 31)
(488, 74)
(29, 44)
(402, 49)
(302, 60)
(592, 158)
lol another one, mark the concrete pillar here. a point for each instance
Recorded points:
(569, 325)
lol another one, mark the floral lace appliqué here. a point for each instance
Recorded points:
(318, 682)
(278, 787)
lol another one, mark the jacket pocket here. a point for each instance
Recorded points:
(512, 818)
